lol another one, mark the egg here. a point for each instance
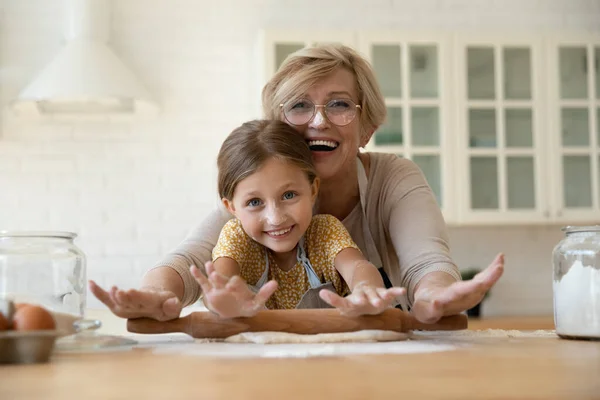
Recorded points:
(32, 318)
(4, 323)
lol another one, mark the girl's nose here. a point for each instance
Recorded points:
(275, 216)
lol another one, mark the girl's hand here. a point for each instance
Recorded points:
(161, 305)
(364, 300)
(436, 297)
(231, 297)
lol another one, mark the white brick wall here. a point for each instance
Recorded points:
(132, 189)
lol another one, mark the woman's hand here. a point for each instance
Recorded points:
(231, 297)
(364, 300)
(438, 294)
(161, 305)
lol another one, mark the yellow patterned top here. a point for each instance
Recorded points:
(323, 240)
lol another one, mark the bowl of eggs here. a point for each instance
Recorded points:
(27, 333)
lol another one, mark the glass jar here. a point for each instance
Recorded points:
(576, 286)
(44, 268)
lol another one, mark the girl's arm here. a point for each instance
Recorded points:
(357, 270)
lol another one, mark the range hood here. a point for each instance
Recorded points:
(86, 77)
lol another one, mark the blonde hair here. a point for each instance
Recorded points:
(302, 69)
(249, 146)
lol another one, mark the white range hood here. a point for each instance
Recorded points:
(86, 77)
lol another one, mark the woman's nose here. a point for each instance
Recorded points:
(319, 121)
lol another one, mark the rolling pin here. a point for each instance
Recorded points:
(304, 321)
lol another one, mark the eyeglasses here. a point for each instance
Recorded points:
(339, 112)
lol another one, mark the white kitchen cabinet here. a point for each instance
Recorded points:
(415, 83)
(500, 157)
(574, 119)
(506, 130)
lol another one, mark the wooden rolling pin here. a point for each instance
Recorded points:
(305, 321)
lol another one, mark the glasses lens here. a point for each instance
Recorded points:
(299, 112)
(341, 111)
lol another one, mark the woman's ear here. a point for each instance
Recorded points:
(228, 205)
(366, 136)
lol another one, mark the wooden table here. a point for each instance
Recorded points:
(491, 368)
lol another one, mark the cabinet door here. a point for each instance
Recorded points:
(499, 126)
(411, 73)
(575, 77)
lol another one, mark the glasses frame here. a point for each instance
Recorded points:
(323, 106)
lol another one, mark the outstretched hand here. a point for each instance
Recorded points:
(231, 297)
(364, 300)
(161, 305)
(436, 298)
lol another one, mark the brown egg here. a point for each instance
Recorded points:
(4, 323)
(32, 318)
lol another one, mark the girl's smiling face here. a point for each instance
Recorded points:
(275, 204)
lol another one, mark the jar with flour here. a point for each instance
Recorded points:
(576, 261)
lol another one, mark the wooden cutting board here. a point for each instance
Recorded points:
(305, 321)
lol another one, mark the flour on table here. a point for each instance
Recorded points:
(364, 336)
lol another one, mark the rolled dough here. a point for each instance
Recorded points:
(364, 336)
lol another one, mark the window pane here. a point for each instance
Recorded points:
(517, 73)
(519, 127)
(282, 50)
(387, 66)
(484, 183)
(425, 126)
(573, 72)
(597, 67)
(482, 128)
(577, 181)
(391, 131)
(575, 127)
(423, 71)
(521, 182)
(430, 165)
(480, 73)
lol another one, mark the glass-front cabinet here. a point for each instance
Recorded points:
(575, 117)
(412, 76)
(505, 131)
(501, 155)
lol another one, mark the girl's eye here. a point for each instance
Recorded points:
(254, 203)
(289, 195)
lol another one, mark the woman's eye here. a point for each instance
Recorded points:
(254, 203)
(300, 105)
(289, 195)
(339, 104)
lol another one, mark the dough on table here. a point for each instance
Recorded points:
(364, 336)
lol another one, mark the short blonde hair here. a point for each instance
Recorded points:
(250, 145)
(302, 69)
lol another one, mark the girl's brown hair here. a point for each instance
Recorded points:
(249, 146)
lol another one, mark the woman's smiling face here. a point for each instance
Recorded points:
(334, 148)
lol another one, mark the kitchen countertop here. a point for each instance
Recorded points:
(523, 367)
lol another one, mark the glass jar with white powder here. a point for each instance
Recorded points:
(576, 260)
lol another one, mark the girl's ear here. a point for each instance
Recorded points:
(228, 205)
(314, 189)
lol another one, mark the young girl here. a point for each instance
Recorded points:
(274, 253)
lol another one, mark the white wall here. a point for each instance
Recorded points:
(133, 189)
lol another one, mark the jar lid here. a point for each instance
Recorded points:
(43, 234)
(588, 228)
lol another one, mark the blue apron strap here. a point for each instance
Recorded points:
(313, 279)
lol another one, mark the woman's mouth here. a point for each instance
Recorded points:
(322, 145)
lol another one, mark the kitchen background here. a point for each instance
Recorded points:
(133, 187)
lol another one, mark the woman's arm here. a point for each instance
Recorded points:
(195, 249)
